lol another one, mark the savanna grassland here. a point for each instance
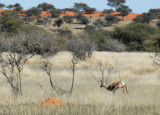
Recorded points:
(135, 69)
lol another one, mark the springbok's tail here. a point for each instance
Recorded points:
(126, 88)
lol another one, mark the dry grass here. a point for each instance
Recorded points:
(88, 99)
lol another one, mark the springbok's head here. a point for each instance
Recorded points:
(102, 84)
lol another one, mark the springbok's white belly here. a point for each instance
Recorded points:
(123, 82)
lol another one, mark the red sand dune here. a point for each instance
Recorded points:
(45, 14)
(130, 16)
(21, 14)
(68, 13)
(94, 14)
(51, 101)
(23, 10)
(1, 10)
(115, 13)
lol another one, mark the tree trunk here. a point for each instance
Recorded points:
(73, 70)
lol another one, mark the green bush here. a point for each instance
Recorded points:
(84, 20)
(61, 43)
(135, 46)
(34, 12)
(30, 29)
(10, 24)
(150, 45)
(78, 16)
(154, 43)
(98, 22)
(99, 39)
(111, 19)
(98, 36)
(68, 19)
(65, 33)
(158, 24)
(133, 35)
(58, 22)
(55, 13)
(89, 29)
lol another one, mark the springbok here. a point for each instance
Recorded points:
(114, 86)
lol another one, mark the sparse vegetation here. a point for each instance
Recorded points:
(32, 49)
(68, 19)
(110, 19)
(34, 12)
(99, 23)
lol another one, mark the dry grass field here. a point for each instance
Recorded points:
(136, 70)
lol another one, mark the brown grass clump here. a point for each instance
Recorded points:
(51, 101)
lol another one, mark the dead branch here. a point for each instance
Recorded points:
(46, 67)
(101, 72)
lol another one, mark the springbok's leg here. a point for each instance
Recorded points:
(126, 89)
(123, 90)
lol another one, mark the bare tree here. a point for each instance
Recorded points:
(102, 69)
(104, 73)
(13, 56)
(46, 66)
(74, 61)
(14, 53)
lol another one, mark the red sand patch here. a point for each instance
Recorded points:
(130, 16)
(115, 13)
(68, 13)
(45, 14)
(21, 14)
(94, 14)
(51, 101)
